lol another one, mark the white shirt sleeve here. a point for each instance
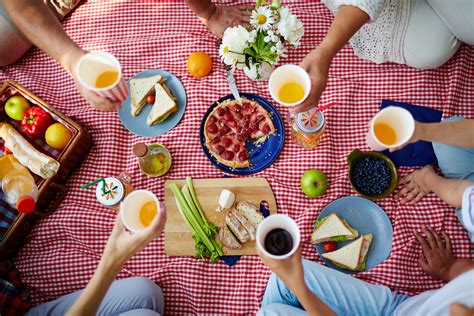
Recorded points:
(371, 7)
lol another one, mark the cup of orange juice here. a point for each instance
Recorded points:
(289, 85)
(101, 73)
(139, 209)
(390, 128)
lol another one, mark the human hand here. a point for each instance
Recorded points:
(417, 135)
(415, 185)
(122, 245)
(289, 270)
(458, 309)
(228, 16)
(437, 257)
(70, 61)
(318, 69)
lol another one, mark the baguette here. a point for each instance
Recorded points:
(243, 220)
(237, 228)
(40, 164)
(250, 211)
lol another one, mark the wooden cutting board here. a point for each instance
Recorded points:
(178, 237)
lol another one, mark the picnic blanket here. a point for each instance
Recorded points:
(63, 249)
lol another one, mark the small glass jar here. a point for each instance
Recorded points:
(154, 159)
(307, 128)
(117, 188)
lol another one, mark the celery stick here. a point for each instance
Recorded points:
(189, 200)
(189, 214)
(189, 181)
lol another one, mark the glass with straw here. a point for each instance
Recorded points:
(112, 190)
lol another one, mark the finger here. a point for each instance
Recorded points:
(418, 198)
(447, 241)
(395, 149)
(403, 191)
(423, 263)
(437, 238)
(405, 179)
(246, 7)
(430, 238)
(424, 245)
(410, 196)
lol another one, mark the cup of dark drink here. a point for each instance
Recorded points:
(278, 236)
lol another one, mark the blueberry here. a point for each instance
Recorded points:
(371, 175)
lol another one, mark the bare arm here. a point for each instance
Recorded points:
(456, 133)
(347, 21)
(120, 247)
(40, 25)
(219, 18)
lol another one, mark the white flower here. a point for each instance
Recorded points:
(290, 27)
(252, 36)
(262, 18)
(273, 49)
(267, 39)
(234, 42)
(274, 38)
(280, 49)
(252, 71)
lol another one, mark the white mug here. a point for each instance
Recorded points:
(130, 209)
(286, 74)
(399, 119)
(91, 65)
(276, 221)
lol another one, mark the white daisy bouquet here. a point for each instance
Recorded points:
(258, 49)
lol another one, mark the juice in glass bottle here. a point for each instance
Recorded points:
(307, 128)
(154, 159)
(116, 189)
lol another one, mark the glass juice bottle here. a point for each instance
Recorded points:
(307, 128)
(154, 159)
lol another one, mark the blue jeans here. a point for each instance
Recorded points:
(455, 162)
(133, 296)
(344, 294)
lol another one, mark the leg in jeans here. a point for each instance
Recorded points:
(458, 15)
(344, 294)
(428, 41)
(125, 295)
(455, 162)
(14, 45)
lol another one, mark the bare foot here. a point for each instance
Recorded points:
(415, 186)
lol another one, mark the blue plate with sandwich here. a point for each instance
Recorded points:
(151, 120)
(353, 234)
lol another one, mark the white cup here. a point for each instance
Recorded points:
(286, 74)
(91, 65)
(130, 209)
(278, 221)
(399, 119)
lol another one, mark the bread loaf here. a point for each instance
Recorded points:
(40, 164)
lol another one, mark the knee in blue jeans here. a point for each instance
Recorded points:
(150, 294)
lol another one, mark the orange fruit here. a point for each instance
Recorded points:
(57, 136)
(199, 64)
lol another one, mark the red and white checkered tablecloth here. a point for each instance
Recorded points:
(62, 250)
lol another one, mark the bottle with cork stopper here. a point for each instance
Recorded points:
(154, 159)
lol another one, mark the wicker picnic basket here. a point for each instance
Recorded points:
(15, 225)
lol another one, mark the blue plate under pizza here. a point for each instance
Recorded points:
(242, 138)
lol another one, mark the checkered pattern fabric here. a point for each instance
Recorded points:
(63, 249)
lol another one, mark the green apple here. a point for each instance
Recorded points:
(314, 183)
(16, 106)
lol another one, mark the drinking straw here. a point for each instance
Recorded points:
(85, 186)
(320, 109)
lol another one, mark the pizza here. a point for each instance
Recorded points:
(230, 125)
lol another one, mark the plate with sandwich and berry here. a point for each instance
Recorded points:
(155, 104)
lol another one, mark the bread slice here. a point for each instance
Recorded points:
(352, 256)
(243, 220)
(228, 239)
(140, 88)
(237, 228)
(165, 104)
(250, 211)
(334, 228)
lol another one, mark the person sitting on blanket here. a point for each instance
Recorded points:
(24, 23)
(453, 144)
(422, 34)
(302, 287)
(104, 296)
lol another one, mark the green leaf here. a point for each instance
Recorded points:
(250, 51)
(338, 238)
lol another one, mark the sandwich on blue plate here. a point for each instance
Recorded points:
(352, 256)
(333, 228)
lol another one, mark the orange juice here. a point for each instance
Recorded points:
(385, 134)
(106, 79)
(291, 92)
(148, 212)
